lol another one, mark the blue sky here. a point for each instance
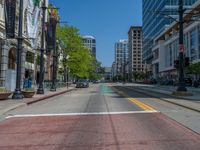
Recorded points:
(107, 20)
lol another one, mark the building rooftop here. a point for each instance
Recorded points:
(88, 37)
(123, 40)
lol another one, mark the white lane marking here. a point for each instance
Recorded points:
(82, 114)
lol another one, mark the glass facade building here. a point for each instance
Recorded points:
(156, 17)
(90, 43)
(121, 55)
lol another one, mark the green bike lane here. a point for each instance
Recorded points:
(94, 118)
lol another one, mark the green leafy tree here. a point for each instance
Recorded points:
(194, 69)
(135, 75)
(36, 2)
(79, 58)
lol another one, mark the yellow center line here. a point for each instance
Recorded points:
(135, 101)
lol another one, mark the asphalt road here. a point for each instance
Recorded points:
(188, 118)
(101, 117)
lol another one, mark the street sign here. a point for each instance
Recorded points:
(10, 15)
(181, 48)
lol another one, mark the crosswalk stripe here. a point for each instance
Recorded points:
(82, 114)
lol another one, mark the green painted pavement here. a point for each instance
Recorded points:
(105, 89)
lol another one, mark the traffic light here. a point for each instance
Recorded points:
(187, 61)
(176, 64)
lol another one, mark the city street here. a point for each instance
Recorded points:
(82, 75)
(103, 116)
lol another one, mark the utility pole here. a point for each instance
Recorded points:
(181, 84)
(18, 93)
(40, 89)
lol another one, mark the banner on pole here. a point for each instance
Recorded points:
(51, 33)
(10, 15)
(33, 23)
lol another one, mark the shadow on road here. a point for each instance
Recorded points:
(138, 92)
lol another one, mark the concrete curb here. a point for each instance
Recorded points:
(15, 106)
(171, 95)
(163, 99)
(166, 100)
(12, 107)
(182, 105)
(49, 96)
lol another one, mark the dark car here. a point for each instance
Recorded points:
(82, 83)
(96, 81)
(188, 81)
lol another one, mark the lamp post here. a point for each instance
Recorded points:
(181, 84)
(18, 93)
(40, 89)
(54, 75)
(53, 21)
(51, 41)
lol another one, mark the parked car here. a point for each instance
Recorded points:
(82, 83)
(196, 83)
(188, 81)
(167, 82)
(153, 81)
(96, 81)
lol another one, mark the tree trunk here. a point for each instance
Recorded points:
(65, 74)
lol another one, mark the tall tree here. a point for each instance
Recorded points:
(79, 57)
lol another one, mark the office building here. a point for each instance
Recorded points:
(135, 63)
(166, 48)
(90, 43)
(121, 55)
(156, 18)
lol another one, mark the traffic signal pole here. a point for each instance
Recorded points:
(181, 84)
(181, 90)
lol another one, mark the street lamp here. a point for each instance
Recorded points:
(54, 74)
(18, 93)
(53, 20)
(40, 89)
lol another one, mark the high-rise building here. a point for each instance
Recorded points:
(135, 63)
(121, 55)
(156, 17)
(90, 43)
(113, 69)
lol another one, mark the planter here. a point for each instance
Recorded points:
(28, 94)
(4, 96)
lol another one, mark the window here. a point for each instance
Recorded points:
(170, 55)
(193, 44)
(0, 57)
(12, 59)
(30, 57)
(199, 40)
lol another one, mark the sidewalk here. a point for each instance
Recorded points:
(165, 93)
(10, 104)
